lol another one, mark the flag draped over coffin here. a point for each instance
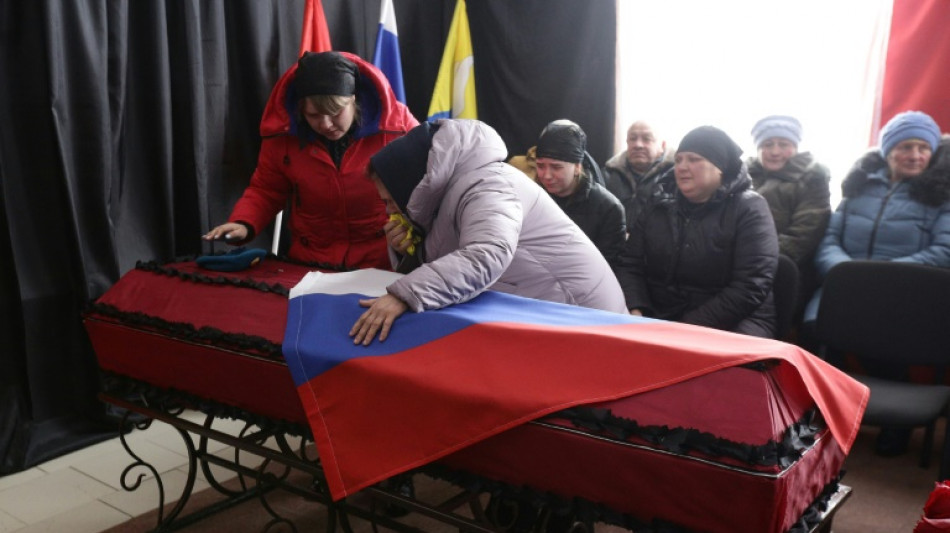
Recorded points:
(386, 57)
(448, 378)
(454, 94)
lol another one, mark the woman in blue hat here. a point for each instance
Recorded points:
(895, 207)
(896, 202)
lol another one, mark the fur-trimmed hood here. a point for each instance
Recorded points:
(931, 188)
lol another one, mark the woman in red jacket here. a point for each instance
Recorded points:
(325, 117)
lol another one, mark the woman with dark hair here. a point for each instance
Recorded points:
(560, 156)
(484, 227)
(704, 250)
(326, 116)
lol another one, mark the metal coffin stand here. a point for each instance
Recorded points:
(145, 405)
(472, 506)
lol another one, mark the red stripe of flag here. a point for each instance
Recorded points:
(374, 417)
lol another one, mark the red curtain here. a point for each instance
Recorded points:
(917, 68)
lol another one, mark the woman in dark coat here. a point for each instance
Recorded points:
(704, 250)
(560, 155)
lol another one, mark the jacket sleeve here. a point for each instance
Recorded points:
(755, 259)
(938, 253)
(488, 220)
(267, 193)
(810, 219)
(631, 271)
(830, 252)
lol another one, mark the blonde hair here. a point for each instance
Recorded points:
(330, 104)
(327, 104)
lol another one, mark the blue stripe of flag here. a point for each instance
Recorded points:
(317, 335)
(387, 59)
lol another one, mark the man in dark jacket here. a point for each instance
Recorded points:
(632, 175)
(704, 250)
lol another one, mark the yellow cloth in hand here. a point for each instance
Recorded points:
(413, 239)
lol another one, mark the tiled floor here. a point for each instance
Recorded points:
(82, 493)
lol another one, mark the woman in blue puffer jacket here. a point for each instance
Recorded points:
(896, 204)
(896, 207)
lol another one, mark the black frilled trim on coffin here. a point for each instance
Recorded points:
(797, 438)
(185, 331)
(589, 512)
(196, 277)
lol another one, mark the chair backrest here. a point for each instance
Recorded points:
(887, 311)
(785, 292)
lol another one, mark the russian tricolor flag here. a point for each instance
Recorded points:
(386, 57)
(448, 378)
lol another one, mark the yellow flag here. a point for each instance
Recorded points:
(454, 94)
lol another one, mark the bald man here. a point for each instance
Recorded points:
(632, 174)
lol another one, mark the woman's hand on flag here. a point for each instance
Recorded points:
(379, 318)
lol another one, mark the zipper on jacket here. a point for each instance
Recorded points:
(877, 220)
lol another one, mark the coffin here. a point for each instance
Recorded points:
(742, 448)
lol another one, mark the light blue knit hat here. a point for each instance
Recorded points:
(909, 125)
(782, 126)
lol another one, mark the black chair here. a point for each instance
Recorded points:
(893, 315)
(785, 292)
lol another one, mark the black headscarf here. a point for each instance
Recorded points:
(401, 164)
(713, 144)
(562, 140)
(325, 73)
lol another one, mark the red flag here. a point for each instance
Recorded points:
(916, 76)
(315, 36)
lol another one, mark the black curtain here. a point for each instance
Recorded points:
(539, 61)
(130, 128)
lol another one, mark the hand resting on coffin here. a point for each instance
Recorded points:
(382, 312)
(231, 232)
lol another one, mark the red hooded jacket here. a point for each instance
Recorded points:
(337, 216)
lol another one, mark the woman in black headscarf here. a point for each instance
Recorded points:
(704, 250)
(560, 156)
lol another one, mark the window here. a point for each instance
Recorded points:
(685, 63)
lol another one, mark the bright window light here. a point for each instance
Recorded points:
(685, 63)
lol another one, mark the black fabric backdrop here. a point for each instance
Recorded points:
(130, 128)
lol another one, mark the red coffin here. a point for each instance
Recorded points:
(217, 336)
